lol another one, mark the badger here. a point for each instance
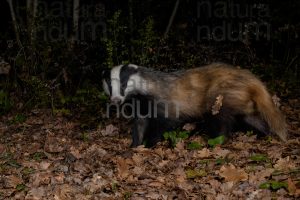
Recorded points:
(165, 101)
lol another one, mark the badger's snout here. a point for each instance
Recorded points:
(116, 100)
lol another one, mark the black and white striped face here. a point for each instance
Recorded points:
(119, 82)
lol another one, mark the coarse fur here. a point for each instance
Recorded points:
(189, 95)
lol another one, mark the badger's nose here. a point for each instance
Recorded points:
(116, 100)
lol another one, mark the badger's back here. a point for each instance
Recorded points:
(242, 93)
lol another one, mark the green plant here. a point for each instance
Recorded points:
(175, 136)
(193, 173)
(115, 42)
(259, 158)
(146, 43)
(39, 93)
(194, 145)
(38, 156)
(19, 118)
(274, 185)
(216, 141)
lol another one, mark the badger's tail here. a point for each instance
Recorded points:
(269, 112)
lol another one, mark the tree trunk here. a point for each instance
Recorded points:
(15, 23)
(76, 12)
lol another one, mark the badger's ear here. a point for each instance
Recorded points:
(105, 73)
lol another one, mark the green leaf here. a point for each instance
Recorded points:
(215, 141)
(183, 134)
(39, 156)
(85, 136)
(13, 163)
(193, 173)
(27, 171)
(20, 187)
(194, 145)
(220, 161)
(259, 158)
(274, 185)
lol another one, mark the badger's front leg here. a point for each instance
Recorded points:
(139, 131)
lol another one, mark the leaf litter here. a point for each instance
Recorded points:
(48, 157)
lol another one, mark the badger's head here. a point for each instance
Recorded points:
(120, 81)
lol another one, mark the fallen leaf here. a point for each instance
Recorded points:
(189, 127)
(123, 168)
(110, 130)
(138, 159)
(204, 153)
(291, 186)
(44, 165)
(41, 178)
(285, 164)
(231, 173)
(96, 183)
(10, 181)
(54, 144)
(276, 100)
(75, 152)
(218, 152)
(36, 193)
(193, 173)
(217, 105)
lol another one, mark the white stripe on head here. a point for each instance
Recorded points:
(105, 87)
(116, 82)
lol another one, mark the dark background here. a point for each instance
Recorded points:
(52, 64)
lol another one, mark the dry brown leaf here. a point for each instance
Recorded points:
(218, 152)
(41, 178)
(110, 130)
(285, 164)
(189, 127)
(137, 170)
(215, 184)
(180, 175)
(75, 152)
(138, 159)
(36, 193)
(96, 183)
(54, 144)
(163, 163)
(44, 165)
(58, 179)
(64, 192)
(155, 184)
(231, 173)
(258, 177)
(276, 100)
(123, 168)
(242, 145)
(217, 105)
(204, 153)
(180, 147)
(291, 186)
(10, 181)
(227, 187)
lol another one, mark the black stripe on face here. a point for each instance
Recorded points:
(125, 73)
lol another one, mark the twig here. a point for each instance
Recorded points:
(171, 18)
(293, 171)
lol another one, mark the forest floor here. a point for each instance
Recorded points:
(50, 157)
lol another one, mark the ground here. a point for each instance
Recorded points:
(49, 157)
